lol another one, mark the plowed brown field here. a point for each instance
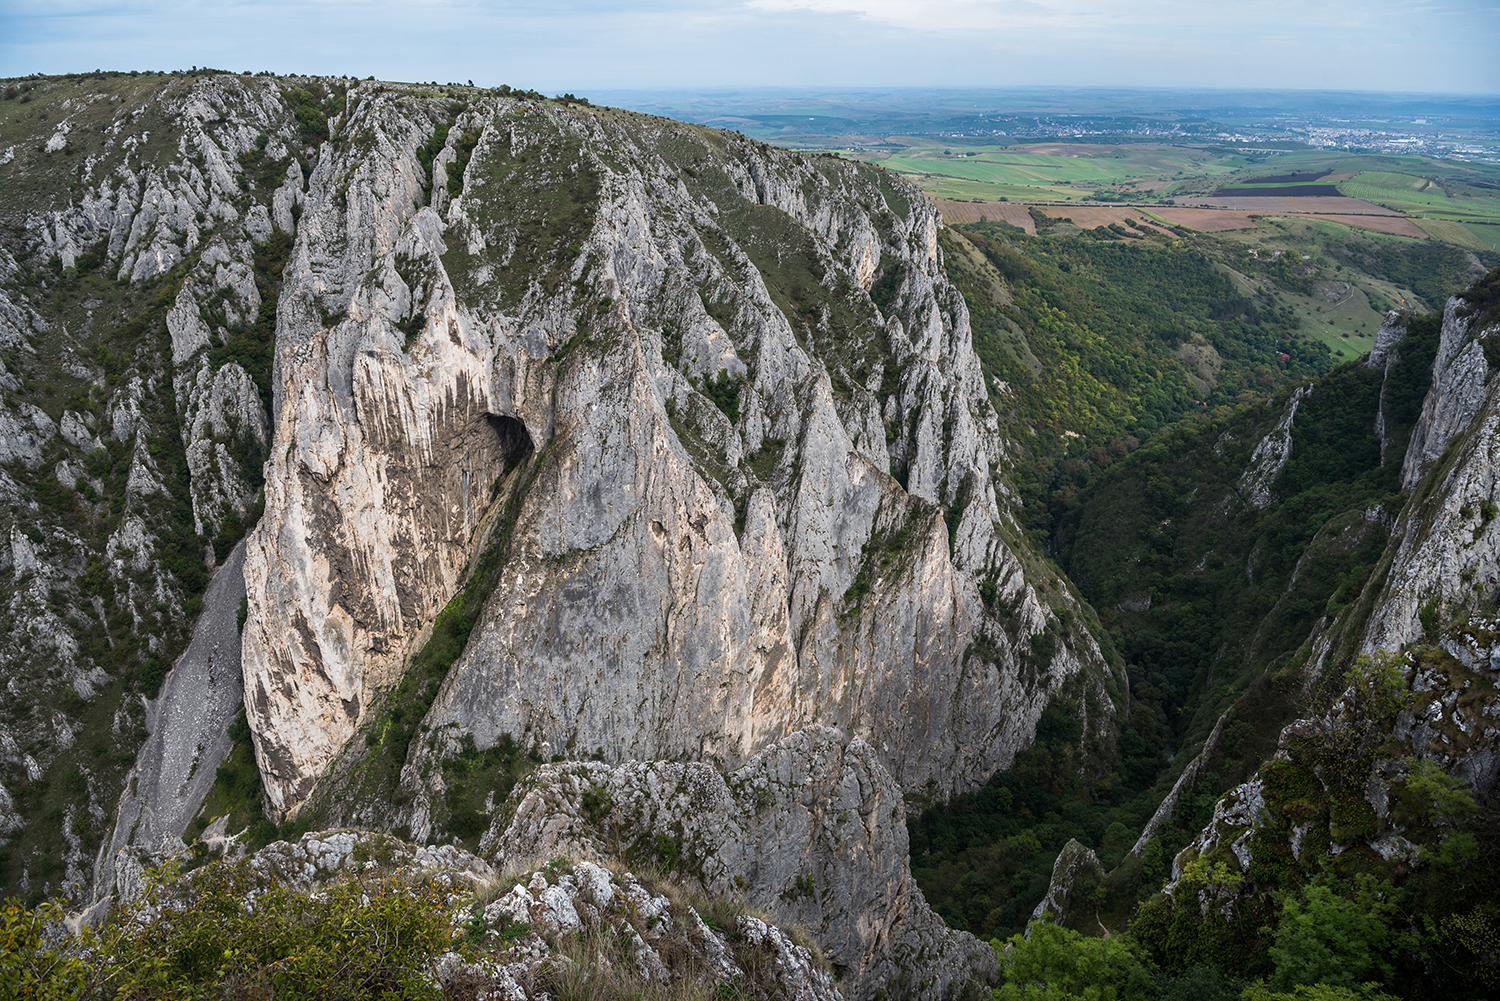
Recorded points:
(1010, 212)
(1093, 216)
(1207, 220)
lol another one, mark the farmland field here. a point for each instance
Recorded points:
(1455, 233)
(1009, 212)
(961, 187)
(1337, 205)
(1050, 172)
(1207, 220)
(1094, 216)
(1411, 193)
(1322, 241)
(1003, 168)
(1393, 224)
(1489, 234)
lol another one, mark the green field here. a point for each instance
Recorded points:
(1421, 195)
(957, 170)
(963, 188)
(1488, 233)
(953, 167)
(1038, 168)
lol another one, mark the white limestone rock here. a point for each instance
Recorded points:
(1271, 455)
(1447, 540)
(636, 618)
(23, 434)
(1074, 863)
(1458, 390)
(812, 829)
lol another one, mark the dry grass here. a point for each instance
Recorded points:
(1013, 213)
(1205, 220)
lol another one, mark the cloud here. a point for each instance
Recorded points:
(576, 44)
(1174, 17)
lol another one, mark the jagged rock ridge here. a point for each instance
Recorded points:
(668, 335)
(131, 429)
(710, 408)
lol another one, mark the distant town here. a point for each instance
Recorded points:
(1419, 137)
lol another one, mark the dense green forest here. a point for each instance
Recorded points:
(1209, 599)
(1088, 341)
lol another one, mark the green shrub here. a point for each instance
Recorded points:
(1058, 964)
(724, 390)
(352, 939)
(1326, 939)
(33, 962)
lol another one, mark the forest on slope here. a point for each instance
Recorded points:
(1137, 473)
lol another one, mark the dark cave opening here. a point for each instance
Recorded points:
(515, 440)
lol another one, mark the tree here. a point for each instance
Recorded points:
(1057, 964)
(1326, 939)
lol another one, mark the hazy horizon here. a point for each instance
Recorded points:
(1378, 46)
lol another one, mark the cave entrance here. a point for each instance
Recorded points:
(515, 440)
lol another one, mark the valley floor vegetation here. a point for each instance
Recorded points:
(1132, 479)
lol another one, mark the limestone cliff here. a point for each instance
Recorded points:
(812, 828)
(135, 273)
(1446, 544)
(561, 429)
(718, 407)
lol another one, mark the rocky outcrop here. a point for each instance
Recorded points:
(131, 425)
(753, 498)
(1076, 867)
(187, 726)
(1459, 375)
(533, 933)
(1383, 355)
(1385, 774)
(1391, 333)
(812, 829)
(1446, 543)
(1270, 456)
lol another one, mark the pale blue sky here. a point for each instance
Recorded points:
(1387, 45)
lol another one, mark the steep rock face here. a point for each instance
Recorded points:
(1384, 354)
(131, 424)
(1396, 763)
(187, 725)
(812, 829)
(1459, 374)
(676, 332)
(1446, 544)
(1271, 455)
(1076, 866)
